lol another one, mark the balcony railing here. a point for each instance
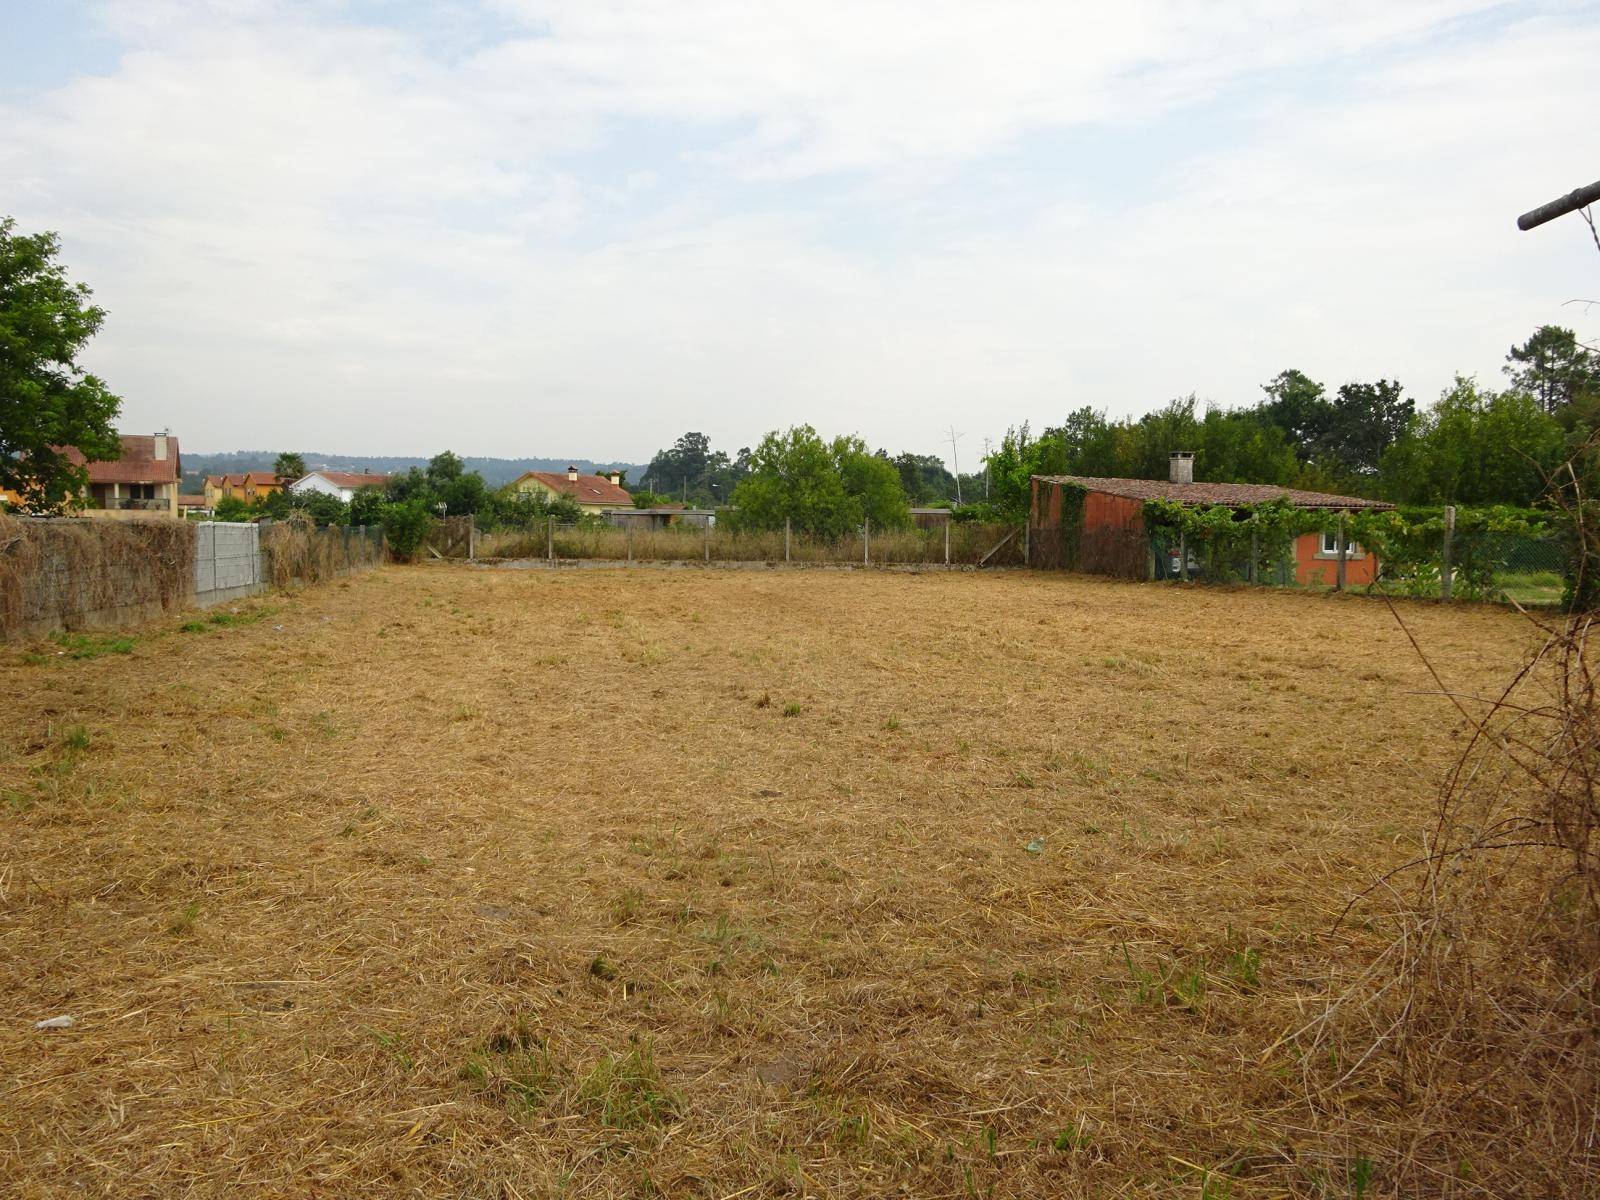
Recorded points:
(128, 503)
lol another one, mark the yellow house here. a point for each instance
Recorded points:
(249, 487)
(591, 493)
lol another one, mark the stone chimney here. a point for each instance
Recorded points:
(572, 474)
(616, 479)
(1182, 466)
(160, 444)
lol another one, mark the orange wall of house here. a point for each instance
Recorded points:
(1309, 569)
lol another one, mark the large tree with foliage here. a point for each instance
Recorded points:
(1554, 368)
(871, 479)
(1475, 447)
(47, 401)
(692, 471)
(819, 487)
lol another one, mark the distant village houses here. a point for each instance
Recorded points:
(248, 487)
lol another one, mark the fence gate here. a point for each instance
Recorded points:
(453, 537)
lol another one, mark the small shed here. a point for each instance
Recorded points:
(1094, 524)
(664, 517)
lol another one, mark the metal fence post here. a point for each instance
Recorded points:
(786, 539)
(550, 539)
(1446, 575)
(947, 541)
(866, 540)
(1344, 548)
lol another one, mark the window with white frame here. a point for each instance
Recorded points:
(1330, 545)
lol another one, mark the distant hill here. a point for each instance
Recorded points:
(495, 471)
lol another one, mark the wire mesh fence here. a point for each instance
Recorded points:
(955, 544)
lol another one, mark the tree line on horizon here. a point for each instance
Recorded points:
(1474, 446)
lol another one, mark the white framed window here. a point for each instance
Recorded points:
(1329, 547)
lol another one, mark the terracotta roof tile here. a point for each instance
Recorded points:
(1212, 493)
(589, 489)
(352, 479)
(138, 463)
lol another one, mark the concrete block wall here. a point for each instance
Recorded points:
(227, 562)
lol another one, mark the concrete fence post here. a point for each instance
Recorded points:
(707, 527)
(1344, 549)
(627, 535)
(866, 540)
(786, 539)
(947, 542)
(1255, 553)
(550, 540)
(1446, 572)
(1183, 557)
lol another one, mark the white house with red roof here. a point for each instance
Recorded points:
(343, 484)
(591, 493)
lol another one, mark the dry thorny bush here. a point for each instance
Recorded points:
(1466, 1060)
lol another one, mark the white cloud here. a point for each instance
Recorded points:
(560, 228)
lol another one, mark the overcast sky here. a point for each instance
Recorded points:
(581, 227)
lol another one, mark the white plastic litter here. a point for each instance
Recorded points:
(62, 1022)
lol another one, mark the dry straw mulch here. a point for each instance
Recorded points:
(443, 881)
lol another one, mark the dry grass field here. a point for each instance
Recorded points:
(515, 884)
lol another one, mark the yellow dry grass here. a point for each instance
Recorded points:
(444, 881)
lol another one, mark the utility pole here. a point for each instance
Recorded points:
(985, 468)
(1574, 201)
(954, 461)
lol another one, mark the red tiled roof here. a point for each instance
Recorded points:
(589, 489)
(259, 478)
(138, 463)
(352, 479)
(188, 500)
(1212, 493)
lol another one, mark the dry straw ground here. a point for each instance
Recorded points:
(445, 881)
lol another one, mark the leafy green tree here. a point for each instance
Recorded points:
(47, 401)
(692, 472)
(1366, 419)
(289, 465)
(406, 524)
(232, 508)
(1298, 405)
(1554, 368)
(924, 478)
(794, 476)
(444, 469)
(366, 506)
(872, 481)
(1475, 447)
